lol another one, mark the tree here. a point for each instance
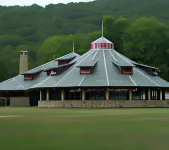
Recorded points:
(114, 30)
(4, 70)
(146, 41)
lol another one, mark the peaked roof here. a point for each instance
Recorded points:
(67, 57)
(101, 40)
(33, 71)
(106, 73)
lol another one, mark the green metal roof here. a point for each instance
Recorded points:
(105, 74)
(67, 57)
(88, 64)
(123, 64)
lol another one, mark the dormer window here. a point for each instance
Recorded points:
(155, 72)
(151, 70)
(125, 67)
(62, 62)
(56, 70)
(32, 74)
(87, 67)
(126, 70)
(52, 72)
(85, 70)
(65, 59)
(28, 77)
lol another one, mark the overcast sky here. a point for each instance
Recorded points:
(39, 2)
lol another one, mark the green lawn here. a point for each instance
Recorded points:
(84, 129)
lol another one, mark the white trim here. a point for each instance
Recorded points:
(102, 28)
(133, 81)
(112, 55)
(106, 68)
(18, 83)
(146, 77)
(101, 49)
(41, 82)
(82, 80)
(95, 55)
(74, 67)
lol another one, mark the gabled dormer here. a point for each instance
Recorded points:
(56, 70)
(87, 67)
(66, 59)
(149, 69)
(32, 74)
(126, 68)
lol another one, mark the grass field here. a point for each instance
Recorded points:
(84, 129)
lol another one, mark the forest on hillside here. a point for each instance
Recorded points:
(139, 29)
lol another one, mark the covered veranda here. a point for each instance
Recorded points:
(92, 93)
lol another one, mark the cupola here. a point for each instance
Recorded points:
(102, 43)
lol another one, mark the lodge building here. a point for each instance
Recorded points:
(102, 77)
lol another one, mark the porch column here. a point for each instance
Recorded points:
(107, 94)
(130, 94)
(62, 95)
(161, 94)
(40, 95)
(47, 94)
(5, 101)
(83, 95)
(149, 94)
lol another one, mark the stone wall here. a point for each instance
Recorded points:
(19, 101)
(102, 104)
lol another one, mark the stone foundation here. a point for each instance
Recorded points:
(19, 101)
(102, 104)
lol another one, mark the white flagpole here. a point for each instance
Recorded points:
(73, 47)
(102, 28)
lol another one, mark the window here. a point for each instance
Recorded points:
(155, 72)
(95, 94)
(62, 62)
(119, 94)
(65, 61)
(126, 70)
(28, 77)
(73, 94)
(85, 71)
(52, 72)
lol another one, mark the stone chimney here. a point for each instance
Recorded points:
(23, 65)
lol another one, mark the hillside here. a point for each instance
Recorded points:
(29, 27)
(37, 23)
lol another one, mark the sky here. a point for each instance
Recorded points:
(39, 2)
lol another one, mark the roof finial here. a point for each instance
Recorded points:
(73, 46)
(102, 28)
